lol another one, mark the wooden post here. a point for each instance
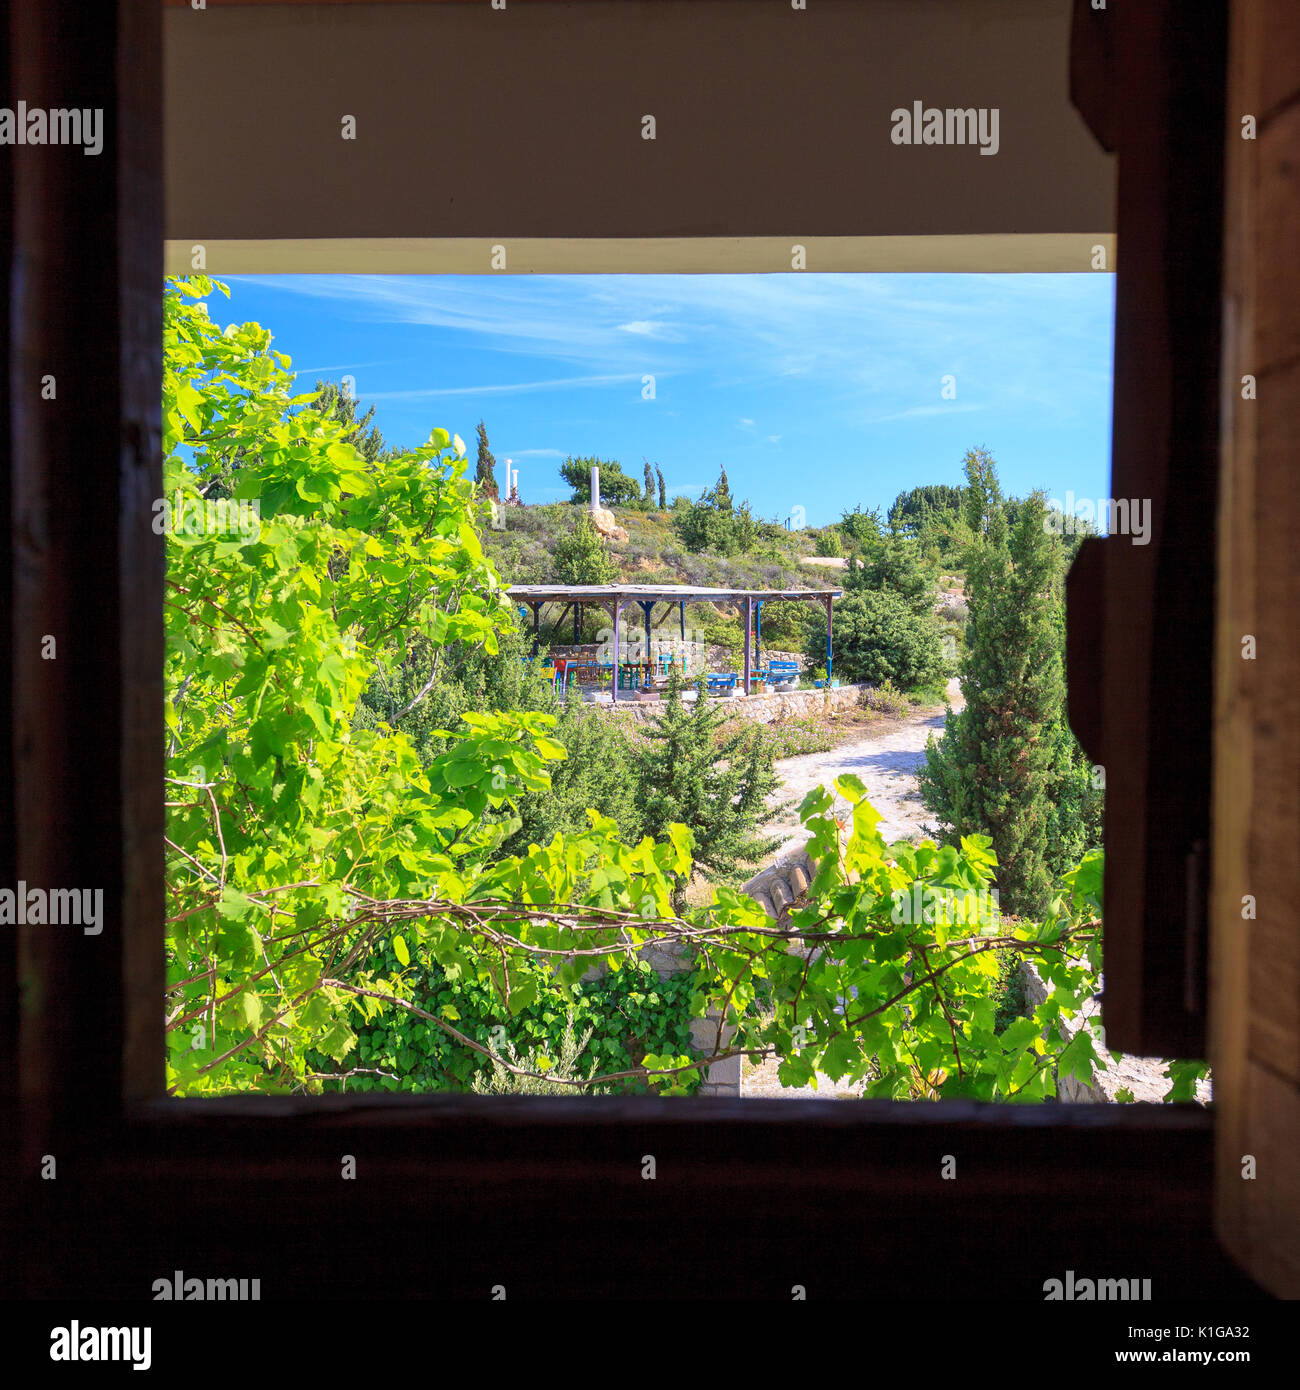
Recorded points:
(87, 566)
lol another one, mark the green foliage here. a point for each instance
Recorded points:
(720, 496)
(690, 773)
(715, 524)
(582, 556)
(616, 487)
(878, 637)
(597, 1026)
(663, 491)
(509, 1074)
(427, 689)
(861, 527)
(485, 470)
(786, 623)
(911, 508)
(1008, 764)
(336, 404)
(224, 457)
(792, 738)
(828, 542)
(886, 699)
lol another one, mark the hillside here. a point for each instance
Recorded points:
(523, 553)
(653, 553)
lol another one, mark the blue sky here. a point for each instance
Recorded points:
(819, 391)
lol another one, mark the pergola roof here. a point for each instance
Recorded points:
(667, 593)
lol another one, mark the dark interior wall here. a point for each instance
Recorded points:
(527, 121)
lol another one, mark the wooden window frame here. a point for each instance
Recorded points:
(750, 1197)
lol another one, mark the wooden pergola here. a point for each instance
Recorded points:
(615, 597)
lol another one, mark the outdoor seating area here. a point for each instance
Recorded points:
(646, 656)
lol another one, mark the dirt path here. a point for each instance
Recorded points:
(886, 762)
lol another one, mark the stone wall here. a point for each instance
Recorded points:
(761, 709)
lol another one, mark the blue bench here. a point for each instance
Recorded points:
(721, 680)
(780, 672)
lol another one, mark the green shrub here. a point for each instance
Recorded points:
(560, 1070)
(879, 638)
(692, 772)
(598, 772)
(582, 556)
(885, 699)
(828, 542)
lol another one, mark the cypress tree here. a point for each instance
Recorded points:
(1008, 765)
(649, 483)
(486, 471)
(663, 491)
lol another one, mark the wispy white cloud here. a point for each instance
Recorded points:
(506, 389)
(857, 348)
(918, 412)
(342, 367)
(649, 328)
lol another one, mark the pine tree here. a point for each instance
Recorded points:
(337, 404)
(690, 772)
(1008, 765)
(663, 491)
(486, 471)
(721, 495)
